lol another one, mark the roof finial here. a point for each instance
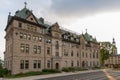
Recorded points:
(25, 4)
(86, 30)
(9, 13)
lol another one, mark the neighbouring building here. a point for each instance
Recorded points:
(32, 45)
(111, 47)
(113, 61)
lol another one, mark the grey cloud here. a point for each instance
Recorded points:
(83, 7)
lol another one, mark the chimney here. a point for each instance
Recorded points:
(41, 19)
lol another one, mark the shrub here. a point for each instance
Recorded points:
(69, 69)
(4, 72)
(51, 70)
(72, 69)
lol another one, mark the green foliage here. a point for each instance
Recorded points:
(73, 69)
(104, 55)
(51, 70)
(33, 73)
(4, 72)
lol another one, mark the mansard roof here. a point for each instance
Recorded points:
(89, 38)
(23, 14)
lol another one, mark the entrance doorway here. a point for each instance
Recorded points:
(57, 65)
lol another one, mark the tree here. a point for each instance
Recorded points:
(104, 55)
(1, 63)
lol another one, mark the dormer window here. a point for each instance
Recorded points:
(19, 24)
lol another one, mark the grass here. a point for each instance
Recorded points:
(33, 73)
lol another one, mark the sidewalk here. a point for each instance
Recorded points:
(50, 75)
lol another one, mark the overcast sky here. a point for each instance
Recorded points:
(100, 17)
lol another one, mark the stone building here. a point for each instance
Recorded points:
(111, 47)
(113, 61)
(33, 45)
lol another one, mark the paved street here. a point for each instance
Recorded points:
(82, 75)
(100, 75)
(114, 74)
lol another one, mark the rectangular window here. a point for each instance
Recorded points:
(34, 38)
(77, 54)
(78, 63)
(19, 24)
(27, 48)
(21, 35)
(35, 49)
(40, 39)
(25, 36)
(22, 47)
(22, 64)
(39, 63)
(48, 50)
(57, 54)
(48, 64)
(72, 64)
(29, 37)
(71, 53)
(35, 64)
(26, 64)
(82, 54)
(39, 49)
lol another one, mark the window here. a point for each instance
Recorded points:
(25, 36)
(19, 24)
(27, 48)
(26, 64)
(57, 54)
(22, 47)
(78, 63)
(48, 41)
(48, 64)
(48, 50)
(21, 35)
(86, 55)
(77, 54)
(31, 18)
(96, 55)
(39, 49)
(90, 55)
(82, 54)
(93, 55)
(22, 64)
(71, 53)
(65, 52)
(40, 39)
(29, 37)
(34, 38)
(72, 64)
(39, 63)
(57, 45)
(35, 49)
(35, 64)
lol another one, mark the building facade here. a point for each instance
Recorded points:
(111, 47)
(33, 45)
(113, 61)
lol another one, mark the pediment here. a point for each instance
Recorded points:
(31, 18)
